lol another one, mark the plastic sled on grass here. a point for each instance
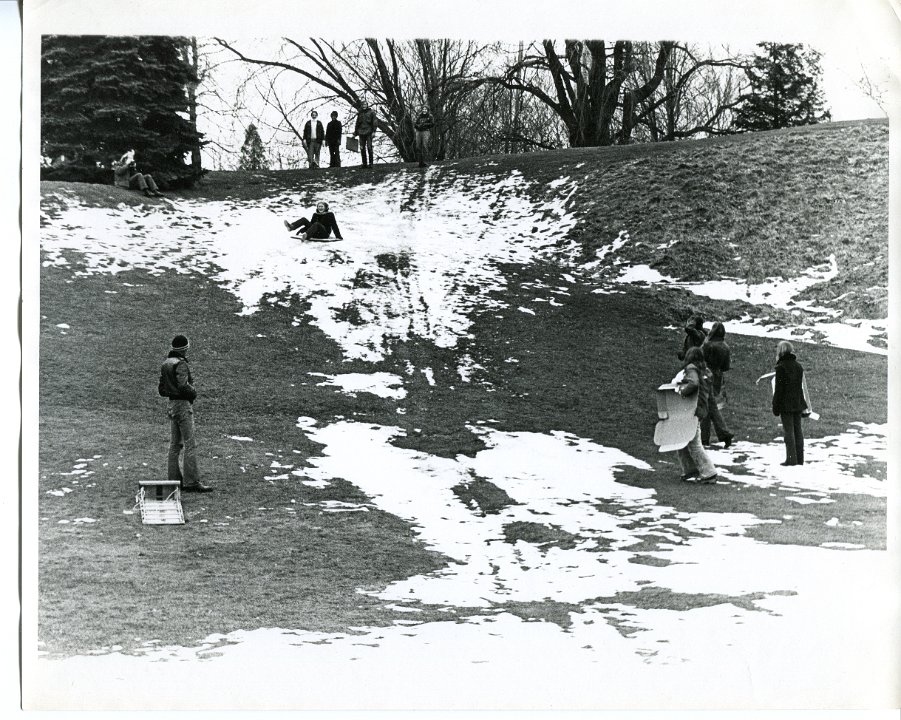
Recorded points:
(160, 502)
(677, 424)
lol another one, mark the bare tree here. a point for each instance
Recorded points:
(396, 77)
(696, 96)
(594, 87)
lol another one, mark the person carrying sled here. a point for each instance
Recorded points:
(320, 225)
(696, 465)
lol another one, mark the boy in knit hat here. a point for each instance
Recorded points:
(177, 384)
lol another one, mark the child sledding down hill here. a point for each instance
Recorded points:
(696, 378)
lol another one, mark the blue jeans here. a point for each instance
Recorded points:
(366, 147)
(693, 459)
(181, 421)
(794, 438)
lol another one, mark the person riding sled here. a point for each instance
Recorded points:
(318, 227)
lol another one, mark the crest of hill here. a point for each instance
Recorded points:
(750, 206)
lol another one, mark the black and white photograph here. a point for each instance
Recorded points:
(488, 357)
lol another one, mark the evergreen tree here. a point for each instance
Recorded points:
(785, 89)
(104, 95)
(253, 154)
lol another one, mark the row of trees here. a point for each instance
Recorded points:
(490, 98)
(104, 95)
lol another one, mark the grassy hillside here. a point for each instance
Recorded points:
(259, 552)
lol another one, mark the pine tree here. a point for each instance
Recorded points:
(253, 154)
(104, 95)
(785, 89)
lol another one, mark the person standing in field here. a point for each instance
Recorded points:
(788, 401)
(696, 465)
(423, 127)
(318, 227)
(717, 356)
(333, 140)
(694, 334)
(313, 135)
(177, 384)
(365, 129)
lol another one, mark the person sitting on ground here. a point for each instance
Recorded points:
(788, 401)
(696, 465)
(125, 174)
(717, 356)
(694, 335)
(423, 126)
(318, 227)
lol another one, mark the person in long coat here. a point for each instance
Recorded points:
(695, 463)
(788, 401)
(717, 355)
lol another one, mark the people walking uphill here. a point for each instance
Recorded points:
(694, 335)
(696, 465)
(177, 384)
(423, 126)
(126, 175)
(333, 140)
(717, 356)
(788, 401)
(313, 135)
(364, 129)
(318, 227)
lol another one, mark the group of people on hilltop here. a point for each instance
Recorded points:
(705, 358)
(314, 135)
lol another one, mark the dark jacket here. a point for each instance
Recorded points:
(365, 124)
(694, 337)
(717, 355)
(788, 395)
(696, 380)
(423, 122)
(308, 131)
(175, 378)
(327, 220)
(333, 132)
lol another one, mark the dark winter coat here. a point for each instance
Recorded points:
(717, 355)
(333, 132)
(694, 337)
(788, 395)
(365, 124)
(696, 380)
(175, 378)
(327, 221)
(308, 132)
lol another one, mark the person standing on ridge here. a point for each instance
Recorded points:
(717, 356)
(313, 135)
(177, 384)
(423, 126)
(333, 140)
(364, 129)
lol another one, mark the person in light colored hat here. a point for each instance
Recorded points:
(177, 384)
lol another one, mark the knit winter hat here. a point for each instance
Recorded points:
(180, 342)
